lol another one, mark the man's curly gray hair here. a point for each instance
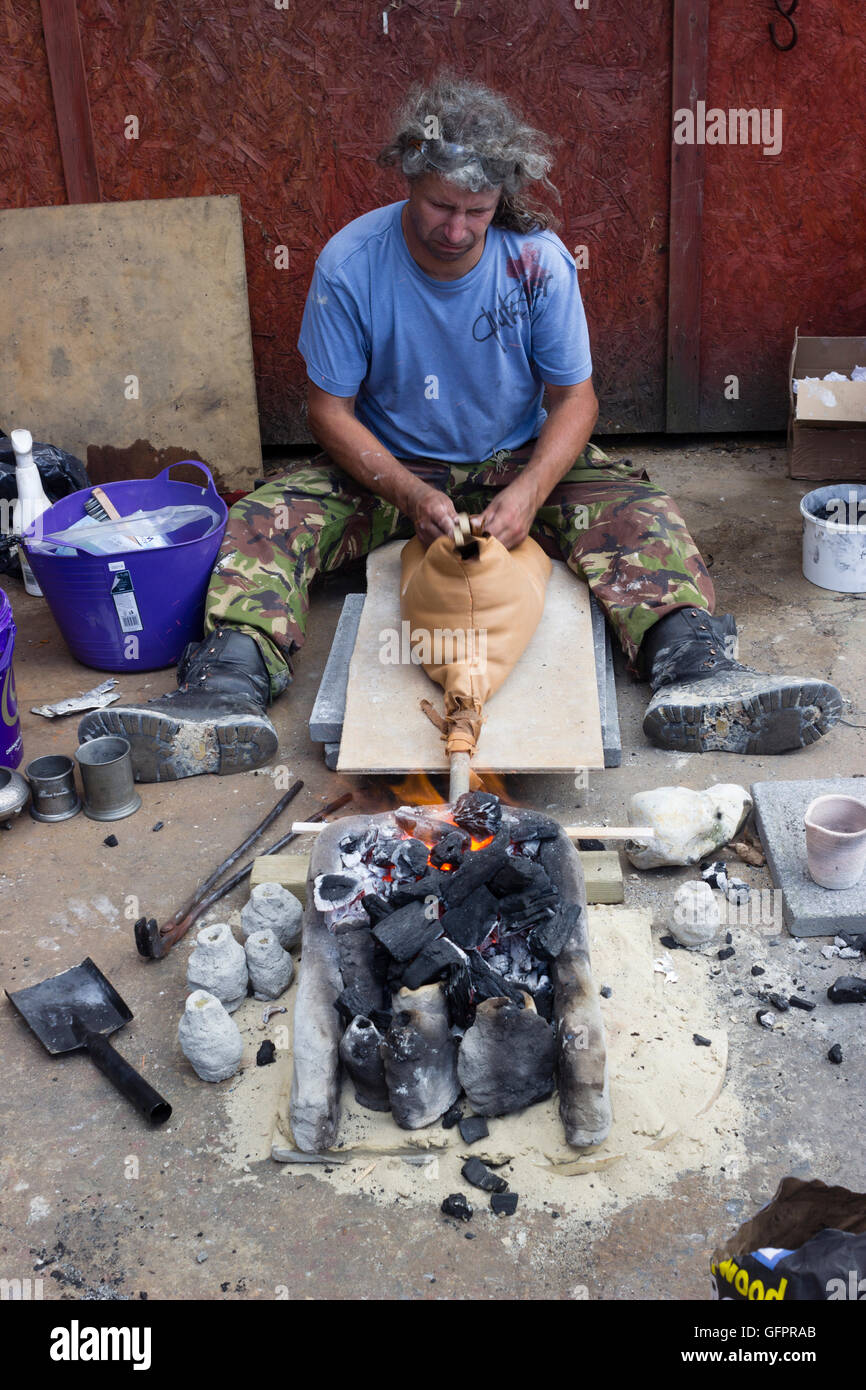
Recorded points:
(476, 140)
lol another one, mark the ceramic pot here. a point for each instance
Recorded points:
(209, 1038)
(219, 965)
(836, 840)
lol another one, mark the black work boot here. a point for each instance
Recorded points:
(704, 701)
(214, 722)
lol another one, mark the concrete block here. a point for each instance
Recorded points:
(808, 909)
(326, 720)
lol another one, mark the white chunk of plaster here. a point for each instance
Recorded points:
(687, 825)
(209, 1039)
(696, 918)
(218, 964)
(270, 967)
(272, 907)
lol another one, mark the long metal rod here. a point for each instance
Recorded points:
(459, 780)
(574, 832)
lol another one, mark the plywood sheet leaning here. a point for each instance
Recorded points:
(545, 718)
(127, 335)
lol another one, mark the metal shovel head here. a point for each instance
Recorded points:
(81, 995)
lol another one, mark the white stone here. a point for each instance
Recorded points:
(695, 919)
(209, 1038)
(270, 967)
(687, 825)
(272, 907)
(218, 964)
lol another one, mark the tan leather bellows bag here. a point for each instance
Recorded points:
(473, 608)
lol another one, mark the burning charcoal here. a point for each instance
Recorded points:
(470, 923)
(361, 970)
(458, 994)
(479, 1175)
(359, 1053)
(433, 961)
(542, 998)
(477, 867)
(515, 875)
(451, 848)
(382, 1019)
(473, 1128)
(503, 1203)
(421, 822)
(534, 828)
(351, 848)
(350, 1003)
(409, 858)
(406, 932)
(457, 1206)
(420, 1058)
(331, 891)
(452, 1116)
(416, 890)
(376, 907)
(489, 984)
(383, 849)
(549, 938)
(478, 812)
(506, 1058)
(848, 989)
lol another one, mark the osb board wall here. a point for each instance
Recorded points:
(288, 107)
(784, 236)
(132, 349)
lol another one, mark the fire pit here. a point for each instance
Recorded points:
(445, 949)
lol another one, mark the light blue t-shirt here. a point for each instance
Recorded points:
(444, 369)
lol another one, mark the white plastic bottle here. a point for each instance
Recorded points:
(31, 501)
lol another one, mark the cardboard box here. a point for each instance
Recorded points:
(827, 419)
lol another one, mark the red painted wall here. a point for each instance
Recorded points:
(288, 107)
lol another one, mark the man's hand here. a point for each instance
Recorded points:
(432, 514)
(510, 515)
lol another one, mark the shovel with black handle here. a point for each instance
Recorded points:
(78, 1009)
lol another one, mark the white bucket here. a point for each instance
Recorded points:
(834, 547)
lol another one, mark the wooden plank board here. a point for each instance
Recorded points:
(71, 102)
(602, 870)
(545, 718)
(689, 80)
(132, 346)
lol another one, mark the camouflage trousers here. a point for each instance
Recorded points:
(606, 520)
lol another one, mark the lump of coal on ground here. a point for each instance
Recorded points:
(835, 1053)
(478, 812)
(420, 1058)
(473, 1128)
(503, 1203)
(452, 1115)
(479, 1175)
(360, 1055)
(848, 989)
(266, 1054)
(451, 848)
(407, 931)
(457, 1206)
(506, 1059)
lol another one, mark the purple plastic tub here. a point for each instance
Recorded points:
(136, 610)
(10, 729)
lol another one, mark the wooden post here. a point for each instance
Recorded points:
(71, 103)
(688, 86)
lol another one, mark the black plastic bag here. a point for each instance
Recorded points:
(61, 473)
(807, 1244)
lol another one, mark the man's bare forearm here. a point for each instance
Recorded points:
(365, 459)
(563, 436)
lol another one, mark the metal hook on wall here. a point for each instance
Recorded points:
(786, 15)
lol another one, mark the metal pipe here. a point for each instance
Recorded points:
(459, 780)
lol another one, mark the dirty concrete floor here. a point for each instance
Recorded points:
(70, 1210)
